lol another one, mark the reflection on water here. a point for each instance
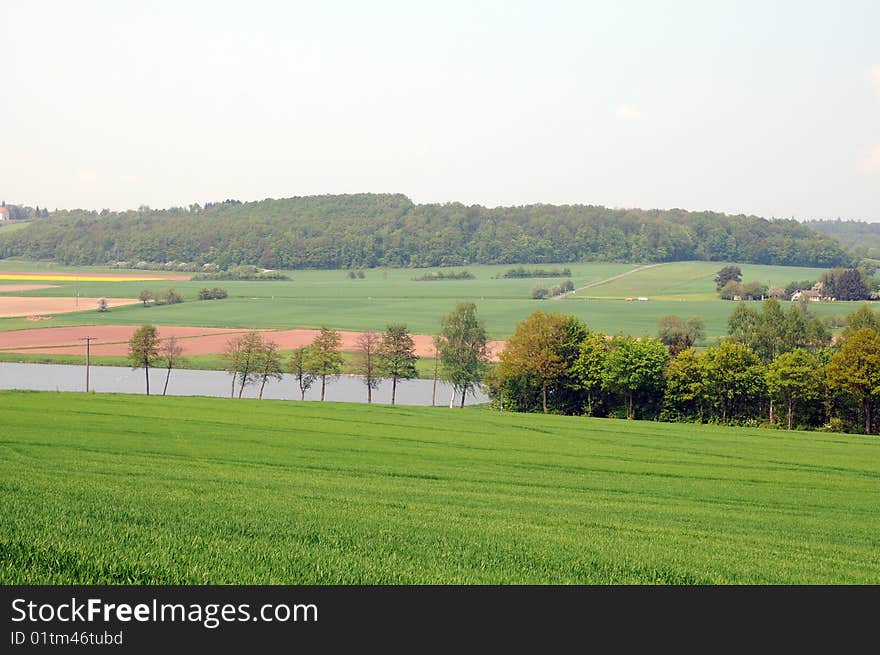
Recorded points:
(117, 379)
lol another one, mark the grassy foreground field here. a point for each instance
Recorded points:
(129, 489)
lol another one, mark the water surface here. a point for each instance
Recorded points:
(183, 382)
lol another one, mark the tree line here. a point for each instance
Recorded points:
(253, 358)
(775, 368)
(523, 272)
(372, 230)
(861, 238)
(542, 291)
(23, 212)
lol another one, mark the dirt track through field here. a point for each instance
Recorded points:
(113, 340)
(605, 281)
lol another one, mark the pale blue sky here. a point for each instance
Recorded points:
(771, 108)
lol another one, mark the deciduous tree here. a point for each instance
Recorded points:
(168, 297)
(727, 274)
(268, 363)
(734, 381)
(771, 332)
(859, 319)
(325, 359)
(753, 290)
(143, 350)
(366, 363)
(634, 369)
(795, 380)
(686, 393)
(535, 349)
(243, 355)
(171, 351)
(678, 334)
(397, 356)
(464, 351)
(232, 355)
(732, 290)
(299, 367)
(588, 367)
(855, 369)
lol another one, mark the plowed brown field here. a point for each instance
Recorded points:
(113, 339)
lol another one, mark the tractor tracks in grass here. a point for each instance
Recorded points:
(606, 280)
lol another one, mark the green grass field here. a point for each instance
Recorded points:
(313, 298)
(689, 281)
(130, 489)
(424, 365)
(6, 228)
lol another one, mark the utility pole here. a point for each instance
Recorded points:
(88, 341)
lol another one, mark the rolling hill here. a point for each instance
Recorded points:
(371, 230)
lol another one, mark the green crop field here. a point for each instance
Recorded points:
(6, 228)
(313, 298)
(683, 281)
(130, 489)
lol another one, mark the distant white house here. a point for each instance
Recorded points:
(4, 213)
(813, 295)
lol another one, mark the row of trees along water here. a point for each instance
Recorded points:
(253, 358)
(774, 368)
(370, 230)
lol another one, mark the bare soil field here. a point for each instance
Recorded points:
(113, 340)
(287, 339)
(26, 306)
(10, 288)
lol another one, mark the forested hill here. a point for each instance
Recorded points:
(367, 230)
(861, 238)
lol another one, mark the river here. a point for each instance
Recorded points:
(183, 382)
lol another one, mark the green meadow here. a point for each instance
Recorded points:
(313, 298)
(149, 490)
(6, 228)
(691, 281)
